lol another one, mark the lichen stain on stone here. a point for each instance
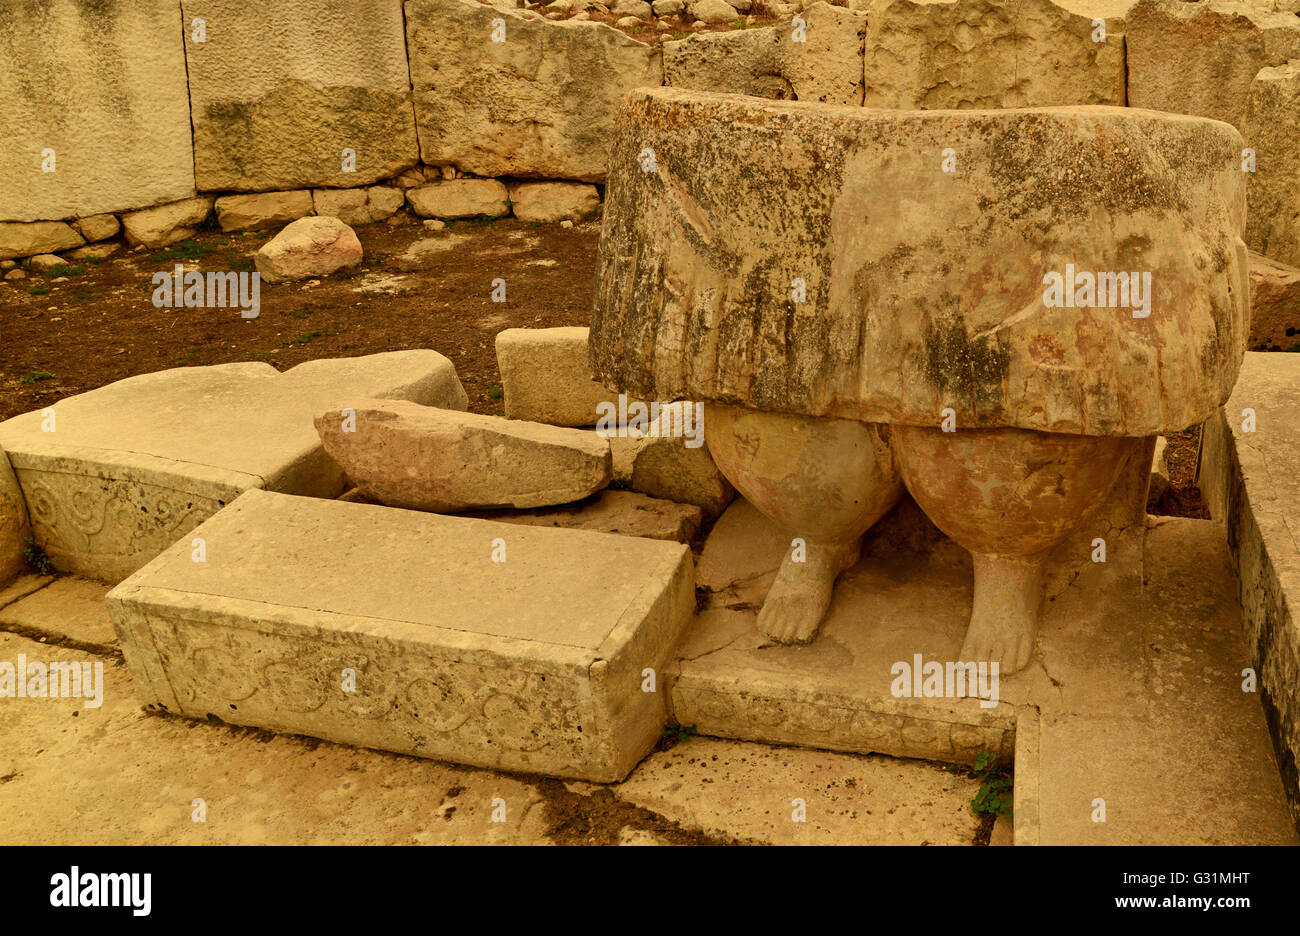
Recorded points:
(970, 371)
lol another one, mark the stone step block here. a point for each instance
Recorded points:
(114, 476)
(397, 630)
(425, 458)
(546, 376)
(624, 512)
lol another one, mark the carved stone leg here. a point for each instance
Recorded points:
(1008, 496)
(823, 481)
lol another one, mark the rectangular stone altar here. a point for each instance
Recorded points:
(397, 630)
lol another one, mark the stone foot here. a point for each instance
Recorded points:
(801, 594)
(1004, 618)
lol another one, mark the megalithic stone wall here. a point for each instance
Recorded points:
(314, 93)
(94, 112)
(510, 93)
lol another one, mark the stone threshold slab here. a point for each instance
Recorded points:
(397, 630)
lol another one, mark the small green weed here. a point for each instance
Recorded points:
(37, 375)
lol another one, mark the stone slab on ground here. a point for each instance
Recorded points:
(308, 95)
(1139, 690)
(748, 792)
(1249, 474)
(135, 777)
(534, 663)
(624, 512)
(15, 527)
(97, 94)
(68, 610)
(133, 466)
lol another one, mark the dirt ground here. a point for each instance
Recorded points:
(99, 325)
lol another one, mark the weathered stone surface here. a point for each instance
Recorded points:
(700, 266)
(1159, 473)
(825, 65)
(132, 467)
(460, 198)
(546, 202)
(166, 224)
(308, 247)
(540, 104)
(27, 240)
(1249, 473)
(546, 376)
(70, 609)
(264, 211)
(358, 206)
(1274, 305)
(97, 227)
(424, 458)
(671, 462)
(1200, 58)
(103, 86)
(1272, 130)
(624, 512)
(43, 263)
(14, 526)
(935, 54)
(456, 657)
(280, 93)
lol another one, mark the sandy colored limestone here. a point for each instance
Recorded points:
(858, 288)
(166, 224)
(14, 525)
(540, 104)
(262, 212)
(27, 240)
(312, 246)
(455, 656)
(1272, 130)
(1274, 305)
(290, 97)
(546, 376)
(425, 458)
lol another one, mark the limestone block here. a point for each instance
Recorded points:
(460, 198)
(1272, 129)
(97, 227)
(166, 224)
(934, 54)
(545, 202)
(669, 462)
(308, 247)
(1249, 473)
(14, 526)
(858, 288)
(541, 104)
(714, 12)
(95, 251)
(1159, 473)
(624, 512)
(825, 65)
(425, 458)
(27, 240)
(102, 86)
(264, 211)
(114, 476)
(546, 376)
(299, 96)
(515, 665)
(43, 263)
(1200, 58)
(1274, 305)
(358, 206)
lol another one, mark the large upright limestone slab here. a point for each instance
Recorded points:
(821, 60)
(114, 476)
(935, 54)
(1249, 472)
(1272, 130)
(1200, 58)
(103, 86)
(536, 663)
(280, 91)
(540, 104)
(921, 289)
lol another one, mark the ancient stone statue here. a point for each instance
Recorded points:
(993, 309)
